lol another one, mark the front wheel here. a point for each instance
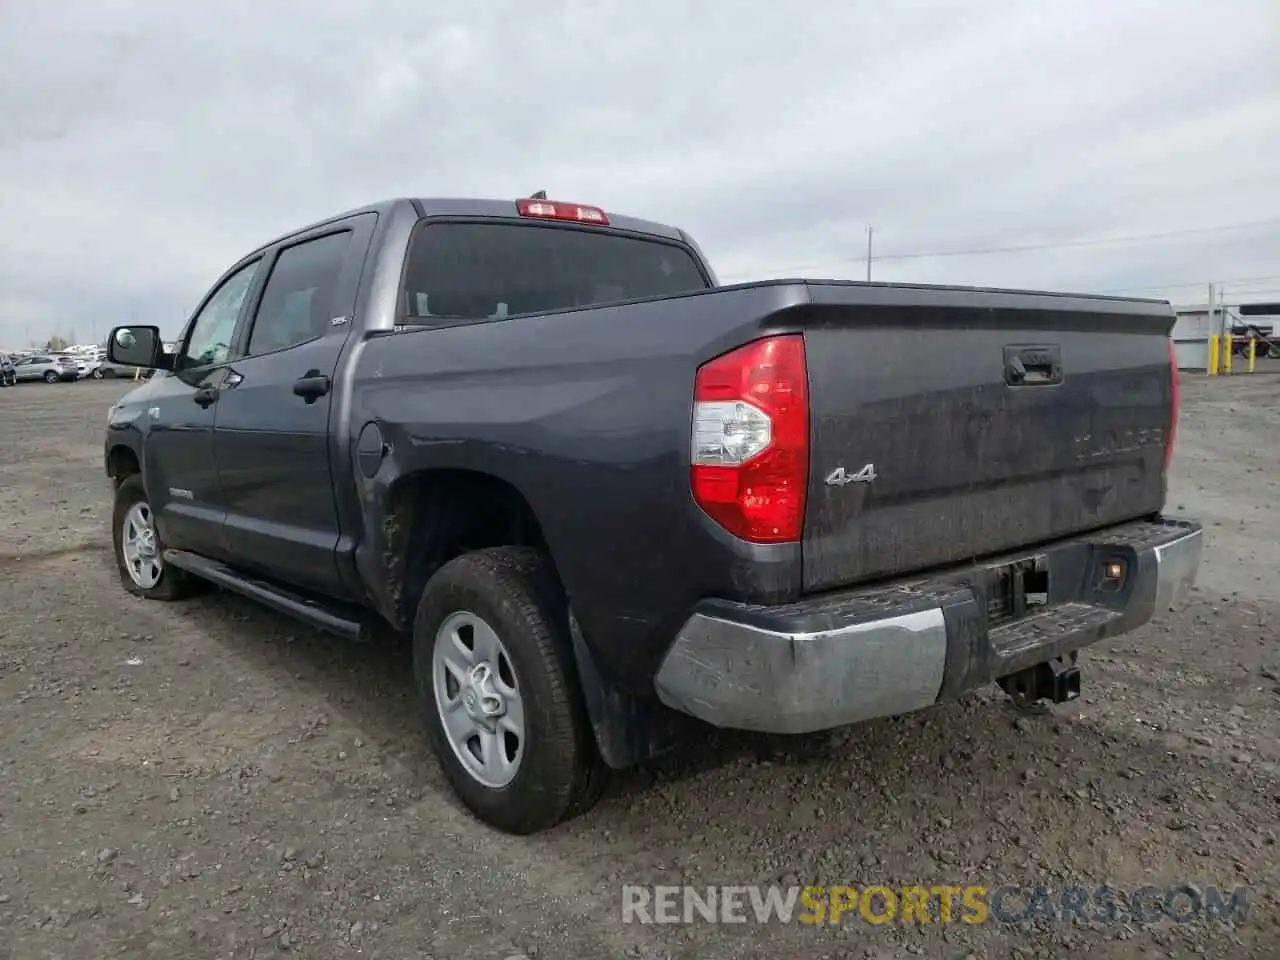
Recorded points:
(494, 668)
(139, 550)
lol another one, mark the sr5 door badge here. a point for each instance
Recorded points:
(839, 477)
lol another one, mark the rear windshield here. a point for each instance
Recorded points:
(476, 271)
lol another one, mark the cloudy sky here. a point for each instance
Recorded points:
(1134, 146)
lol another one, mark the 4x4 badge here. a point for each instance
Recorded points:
(840, 476)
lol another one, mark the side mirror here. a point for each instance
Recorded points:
(136, 347)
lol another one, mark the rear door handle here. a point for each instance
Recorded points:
(311, 386)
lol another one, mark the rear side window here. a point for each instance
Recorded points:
(476, 271)
(296, 300)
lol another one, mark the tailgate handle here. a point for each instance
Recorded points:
(1032, 366)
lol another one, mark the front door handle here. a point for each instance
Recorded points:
(311, 386)
(207, 395)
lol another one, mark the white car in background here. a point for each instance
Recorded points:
(48, 367)
(78, 361)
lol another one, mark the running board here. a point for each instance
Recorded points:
(343, 619)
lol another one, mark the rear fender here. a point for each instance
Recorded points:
(627, 729)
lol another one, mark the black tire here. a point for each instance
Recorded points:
(1273, 351)
(97, 373)
(50, 377)
(105, 374)
(173, 584)
(516, 591)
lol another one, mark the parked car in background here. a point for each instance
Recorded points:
(46, 367)
(100, 368)
(8, 377)
(72, 360)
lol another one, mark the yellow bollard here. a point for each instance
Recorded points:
(1227, 349)
(1253, 352)
(1213, 355)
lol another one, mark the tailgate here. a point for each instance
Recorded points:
(949, 424)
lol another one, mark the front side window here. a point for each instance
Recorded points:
(475, 271)
(211, 333)
(296, 301)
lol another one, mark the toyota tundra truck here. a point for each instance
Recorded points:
(612, 502)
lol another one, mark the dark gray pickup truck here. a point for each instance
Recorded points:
(613, 502)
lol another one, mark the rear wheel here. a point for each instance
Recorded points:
(139, 550)
(97, 373)
(50, 377)
(1273, 351)
(495, 672)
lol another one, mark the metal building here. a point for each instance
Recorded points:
(1195, 324)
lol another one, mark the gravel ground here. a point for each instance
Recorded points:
(209, 779)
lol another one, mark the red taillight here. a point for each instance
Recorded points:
(559, 210)
(1175, 402)
(750, 456)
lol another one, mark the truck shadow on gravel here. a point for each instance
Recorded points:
(1076, 764)
(372, 686)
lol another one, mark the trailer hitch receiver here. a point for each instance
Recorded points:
(1056, 680)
